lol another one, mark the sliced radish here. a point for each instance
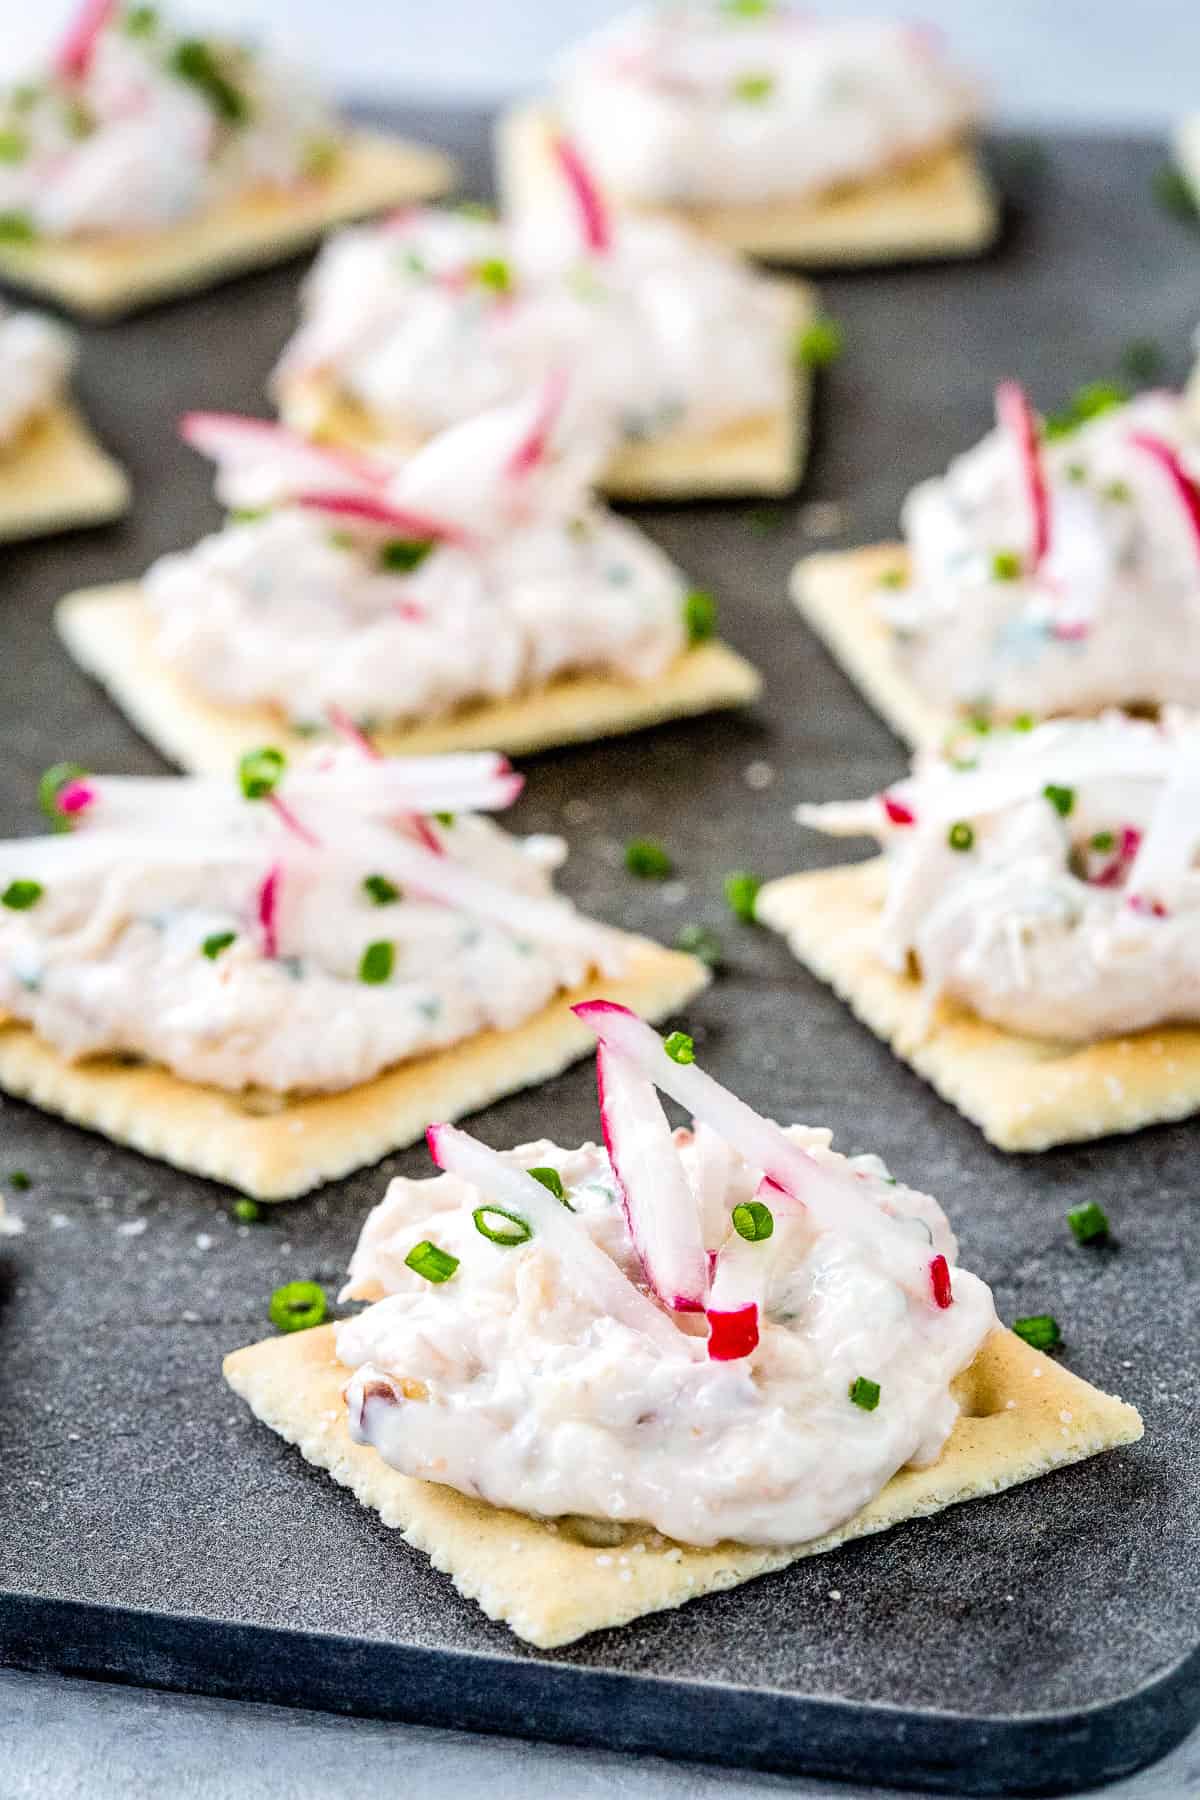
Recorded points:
(833, 1201)
(738, 1301)
(268, 910)
(531, 451)
(380, 787)
(1168, 459)
(593, 211)
(591, 1271)
(367, 509)
(75, 797)
(1114, 871)
(288, 818)
(660, 1207)
(345, 727)
(234, 440)
(1165, 854)
(74, 57)
(1015, 415)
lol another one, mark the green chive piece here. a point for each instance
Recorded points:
(193, 61)
(19, 1181)
(19, 896)
(647, 858)
(1077, 472)
(248, 515)
(1142, 361)
(17, 228)
(765, 519)
(1088, 1222)
(377, 962)
(297, 1305)
(343, 540)
(1097, 397)
(754, 88)
(141, 21)
(218, 941)
(700, 942)
(402, 555)
(894, 578)
(1102, 840)
(1118, 490)
(741, 894)
(427, 1260)
(248, 1211)
(1023, 722)
(680, 1047)
(753, 1221)
(1175, 194)
(864, 1393)
(497, 1234)
(1040, 1331)
(960, 836)
(551, 1179)
(1006, 565)
(379, 889)
(14, 146)
(819, 343)
(494, 273)
(51, 786)
(699, 616)
(475, 209)
(259, 772)
(444, 818)
(746, 9)
(1062, 799)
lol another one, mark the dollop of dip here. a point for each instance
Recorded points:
(300, 941)
(479, 568)
(432, 317)
(512, 1380)
(1046, 879)
(137, 126)
(1055, 568)
(36, 358)
(744, 101)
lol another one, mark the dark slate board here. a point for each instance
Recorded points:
(151, 1531)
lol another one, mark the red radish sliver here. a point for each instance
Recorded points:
(591, 1269)
(660, 1207)
(75, 797)
(75, 53)
(268, 910)
(1115, 871)
(372, 511)
(939, 1281)
(531, 451)
(738, 1301)
(1015, 415)
(897, 812)
(593, 212)
(833, 1202)
(232, 438)
(1168, 459)
(732, 1335)
(287, 817)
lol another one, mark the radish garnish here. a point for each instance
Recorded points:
(235, 441)
(738, 1301)
(1164, 857)
(367, 509)
(531, 451)
(268, 910)
(380, 787)
(296, 826)
(1015, 415)
(939, 1282)
(660, 1207)
(589, 1267)
(833, 1202)
(1114, 872)
(1186, 488)
(897, 812)
(75, 797)
(345, 727)
(593, 212)
(75, 53)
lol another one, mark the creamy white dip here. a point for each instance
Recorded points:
(307, 611)
(140, 126)
(430, 318)
(36, 358)
(1046, 879)
(510, 1384)
(120, 952)
(721, 103)
(1108, 616)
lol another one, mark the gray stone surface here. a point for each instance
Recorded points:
(132, 1478)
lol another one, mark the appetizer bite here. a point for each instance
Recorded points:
(474, 596)
(1054, 569)
(145, 161)
(594, 1383)
(422, 321)
(53, 474)
(276, 979)
(1028, 939)
(769, 130)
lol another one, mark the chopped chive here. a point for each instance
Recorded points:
(402, 555)
(1040, 1331)
(444, 818)
(19, 896)
(248, 1211)
(51, 785)
(741, 894)
(552, 1180)
(377, 962)
(14, 146)
(1088, 1222)
(699, 616)
(1117, 490)
(192, 60)
(700, 942)
(1077, 472)
(1175, 194)
(753, 88)
(1023, 722)
(981, 725)
(19, 1181)
(475, 209)
(497, 1234)
(1006, 565)
(297, 1305)
(141, 21)
(248, 515)
(753, 1221)
(427, 1260)
(1062, 799)
(819, 343)
(680, 1047)
(259, 772)
(960, 836)
(218, 941)
(17, 228)
(379, 889)
(1102, 840)
(647, 858)
(864, 1393)
(494, 273)
(765, 519)
(1097, 397)
(746, 9)
(1142, 360)
(894, 578)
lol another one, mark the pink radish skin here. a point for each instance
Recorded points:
(593, 212)
(371, 511)
(1015, 415)
(660, 1208)
(74, 58)
(232, 438)
(1187, 489)
(285, 814)
(345, 727)
(75, 797)
(531, 451)
(268, 910)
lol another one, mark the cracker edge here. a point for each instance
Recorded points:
(941, 206)
(248, 232)
(1024, 1093)
(278, 1155)
(551, 1589)
(107, 631)
(56, 477)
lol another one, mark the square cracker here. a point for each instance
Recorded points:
(275, 1148)
(108, 279)
(1024, 1093)
(1022, 1416)
(55, 477)
(109, 632)
(752, 458)
(941, 205)
(836, 593)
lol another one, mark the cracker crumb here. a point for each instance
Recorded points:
(203, 1240)
(758, 775)
(59, 1221)
(10, 1225)
(1066, 1416)
(674, 893)
(577, 812)
(822, 518)
(835, 1593)
(132, 1227)
(639, 1550)
(674, 1555)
